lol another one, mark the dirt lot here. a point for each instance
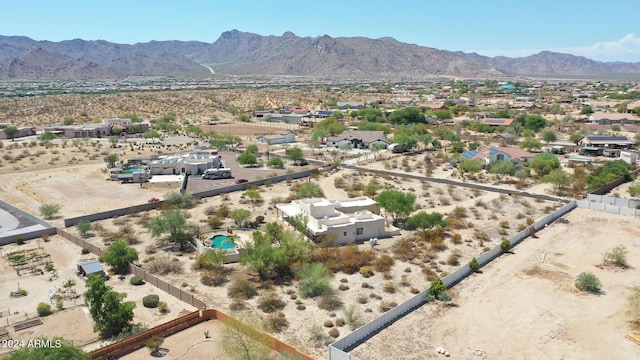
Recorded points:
(526, 306)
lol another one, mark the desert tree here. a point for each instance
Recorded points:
(83, 226)
(397, 203)
(253, 195)
(240, 216)
(558, 178)
(170, 222)
(111, 160)
(49, 210)
(110, 314)
(119, 255)
(11, 132)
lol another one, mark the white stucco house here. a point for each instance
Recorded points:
(342, 221)
(193, 163)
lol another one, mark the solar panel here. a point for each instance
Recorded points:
(494, 121)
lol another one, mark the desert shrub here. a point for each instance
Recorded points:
(301, 307)
(340, 322)
(277, 322)
(343, 287)
(353, 316)
(20, 240)
(330, 302)
(136, 280)
(505, 245)
(366, 271)
(389, 287)
(238, 305)
(617, 256)
(383, 263)
(387, 305)
(474, 265)
(43, 309)
(49, 267)
(453, 260)
(438, 291)
(362, 299)
(404, 281)
(456, 238)
(214, 221)
(403, 249)
(414, 290)
(163, 307)
(271, 302)
(151, 301)
(163, 266)
(214, 278)
(241, 289)
(366, 285)
(59, 304)
(85, 251)
(334, 333)
(588, 282)
(315, 280)
(328, 324)
(429, 274)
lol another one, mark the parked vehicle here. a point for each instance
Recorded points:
(221, 173)
(240, 181)
(300, 162)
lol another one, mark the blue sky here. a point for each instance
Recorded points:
(600, 30)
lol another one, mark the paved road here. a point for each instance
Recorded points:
(458, 183)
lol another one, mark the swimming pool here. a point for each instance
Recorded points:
(222, 242)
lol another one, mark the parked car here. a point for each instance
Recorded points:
(300, 162)
(240, 181)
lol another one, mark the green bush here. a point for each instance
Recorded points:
(49, 267)
(20, 240)
(136, 280)
(588, 282)
(151, 301)
(438, 291)
(85, 251)
(474, 265)
(505, 245)
(315, 280)
(163, 307)
(59, 304)
(617, 256)
(44, 309)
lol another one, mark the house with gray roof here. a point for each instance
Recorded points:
(357, 139)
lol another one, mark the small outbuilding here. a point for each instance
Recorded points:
(91, 267)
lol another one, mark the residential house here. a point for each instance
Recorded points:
(611, 142)
(343, 222)
(357, 139)
(22, 131)
(497, 121)
(287, 118)
(296, 110)
(342, 105)
(278, 137)
(606, 118)
(321, 114)
(489, 154)
(193, 163)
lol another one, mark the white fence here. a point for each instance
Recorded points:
(337, 350)
(621, 202)
(610, 208)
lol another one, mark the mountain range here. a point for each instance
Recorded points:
(242, 53)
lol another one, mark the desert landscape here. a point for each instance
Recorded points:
(73, 175)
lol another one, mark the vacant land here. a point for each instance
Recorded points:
(525, 305)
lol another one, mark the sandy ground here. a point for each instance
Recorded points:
(525, 305)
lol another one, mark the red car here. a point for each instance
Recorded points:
(240, 181)
(153, 199)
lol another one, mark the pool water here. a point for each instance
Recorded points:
(222, 242)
